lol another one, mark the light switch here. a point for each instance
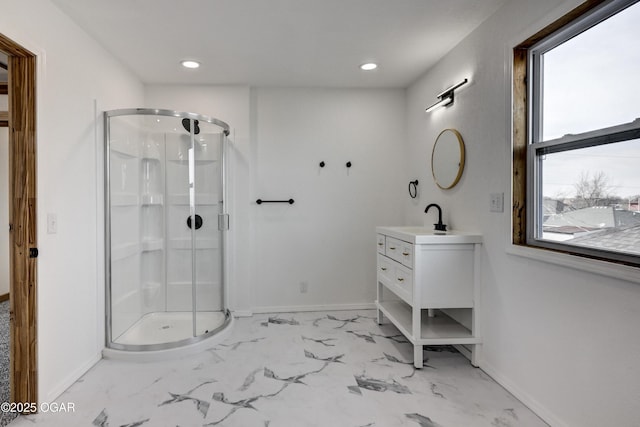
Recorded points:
(496, 203)
(52, 223)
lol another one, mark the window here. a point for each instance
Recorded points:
(577, 134)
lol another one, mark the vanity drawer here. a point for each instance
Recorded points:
(403, 278)
(392, 248)
(396, 277)
(386, 269)
(399, 250)
(381, 243)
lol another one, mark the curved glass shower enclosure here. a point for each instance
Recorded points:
(165, 227)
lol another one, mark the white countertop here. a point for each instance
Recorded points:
(426, 235)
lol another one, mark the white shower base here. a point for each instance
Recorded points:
(166, 327)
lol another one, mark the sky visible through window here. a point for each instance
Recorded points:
(592, 82)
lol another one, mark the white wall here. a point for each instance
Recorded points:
(279, 136)
(565, 341)
(326, 238)
(72, 71)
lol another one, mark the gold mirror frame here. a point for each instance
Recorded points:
(447, 158)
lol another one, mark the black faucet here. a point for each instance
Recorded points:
(439, 226)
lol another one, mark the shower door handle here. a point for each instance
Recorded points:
(223, 222)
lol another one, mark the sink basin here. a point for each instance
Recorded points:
(420, 230)
(427, 235)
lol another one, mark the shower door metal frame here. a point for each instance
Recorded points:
(107, 195)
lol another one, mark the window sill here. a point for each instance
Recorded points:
(603, 268)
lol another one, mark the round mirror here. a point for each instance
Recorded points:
(447, 159)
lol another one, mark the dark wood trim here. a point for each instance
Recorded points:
(4, 297)
(520, 127)
(521, 117)
(571, 16)
(4, 88)
(12, 48)
(23, 372)
(4, 119)
(22, 169)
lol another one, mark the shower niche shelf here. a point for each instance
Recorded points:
(185, 162)
(201, 199)
(124, 150)
(151, 154)
(122, 251)
(185, 243)
(149, 245)
(151, 199)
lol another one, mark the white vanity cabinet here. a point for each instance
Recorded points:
(428, 287)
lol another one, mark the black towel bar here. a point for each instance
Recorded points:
(260, 201)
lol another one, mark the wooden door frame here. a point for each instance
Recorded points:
(23, 378)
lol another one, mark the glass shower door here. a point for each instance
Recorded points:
(194, 200)
(208, 232)
(165, 213)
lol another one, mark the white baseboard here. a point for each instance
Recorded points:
(324, 307)
(523, 397)
(242, 313)
(68, 381)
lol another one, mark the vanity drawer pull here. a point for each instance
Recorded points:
(405, 253)
(383, 268)
(392, 248)
(380, 243)
(400, 279)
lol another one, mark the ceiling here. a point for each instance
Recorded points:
(314, 43)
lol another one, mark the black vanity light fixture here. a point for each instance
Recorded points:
(446, 97)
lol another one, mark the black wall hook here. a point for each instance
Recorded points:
(322, 164)
(348, 164)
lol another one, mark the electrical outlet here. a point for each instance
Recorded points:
(52, 223)
(304, 287)
(496, 202)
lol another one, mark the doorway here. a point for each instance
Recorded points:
(5, 395)
(21, 124)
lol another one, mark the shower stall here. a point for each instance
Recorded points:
(165, 216)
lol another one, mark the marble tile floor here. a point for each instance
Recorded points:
(293, 370)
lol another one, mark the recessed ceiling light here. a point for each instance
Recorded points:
(190, 64)
(369, 66)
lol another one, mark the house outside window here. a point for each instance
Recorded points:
(577, 134)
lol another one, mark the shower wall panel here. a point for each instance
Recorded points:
(126, 137)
